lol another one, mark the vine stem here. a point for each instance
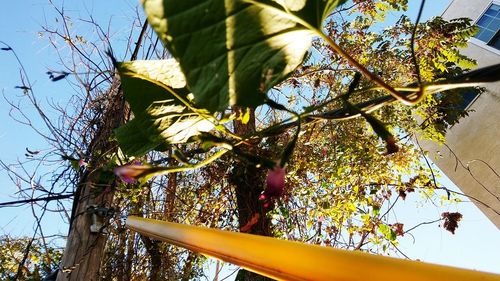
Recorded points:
(156, 171)
(371, 76)
(421, 92)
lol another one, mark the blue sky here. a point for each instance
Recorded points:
(20, 23)
(475, 245)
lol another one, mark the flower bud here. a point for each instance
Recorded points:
(82, 163)
(131, 172)
(275, 182)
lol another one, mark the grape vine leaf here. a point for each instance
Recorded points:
(158, 98)
(233, 51)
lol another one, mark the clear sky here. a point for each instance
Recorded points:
(20, 23)
(476, 243)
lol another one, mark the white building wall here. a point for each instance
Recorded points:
(475, 141)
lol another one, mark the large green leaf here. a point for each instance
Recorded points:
(233, 51)
(162, 113)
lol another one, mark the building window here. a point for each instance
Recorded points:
(469, 96)
(489, 24)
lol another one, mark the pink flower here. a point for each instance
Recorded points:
(275, 182)
(131, 172)
(82, 163)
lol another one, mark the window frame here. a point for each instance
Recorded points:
(479, 42)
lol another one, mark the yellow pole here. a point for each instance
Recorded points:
(287, 260)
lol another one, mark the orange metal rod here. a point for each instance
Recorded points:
(287, 260)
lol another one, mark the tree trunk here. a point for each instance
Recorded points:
(130, 255)
(154, 253)
(170, 192)
(187, 272)
(249, 181)
(84, 249)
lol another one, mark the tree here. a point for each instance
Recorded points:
(42, 260)
(342, 193)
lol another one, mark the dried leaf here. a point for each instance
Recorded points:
(451, 221)
(247, 227)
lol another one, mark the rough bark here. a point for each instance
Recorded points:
(249, 181)
(155, 256)
(84, 249)
(170, 191)
(130, 255)
(188, 267)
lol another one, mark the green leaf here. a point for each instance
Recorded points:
(176, 124)
(388, 232)
(145, 82)
(162, 113)
(233, 51)
(133, 140)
